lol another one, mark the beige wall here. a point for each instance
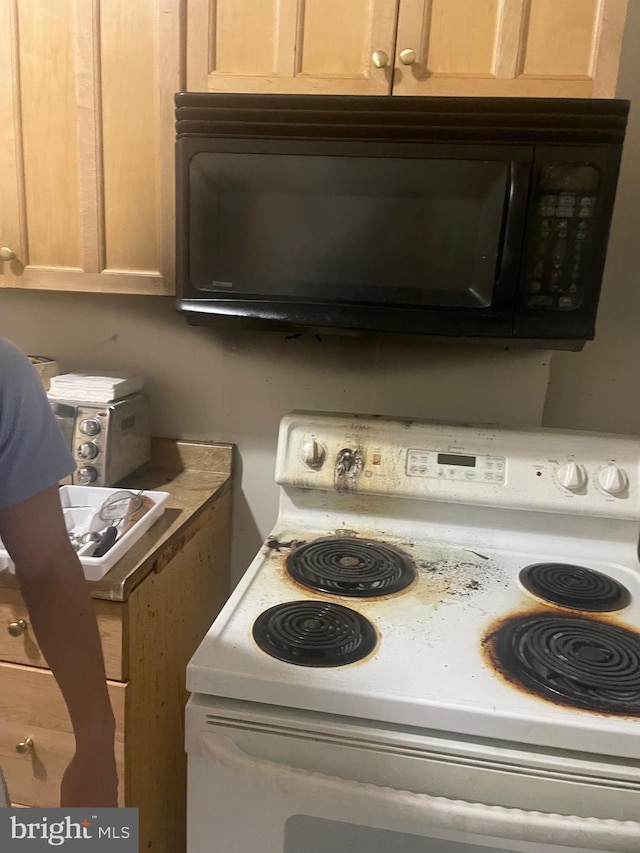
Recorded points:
(599, 388)
(235, 386)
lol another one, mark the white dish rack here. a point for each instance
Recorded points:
(80, 505)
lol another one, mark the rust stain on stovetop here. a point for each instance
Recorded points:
(512, 679)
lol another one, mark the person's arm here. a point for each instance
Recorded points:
(63, 619)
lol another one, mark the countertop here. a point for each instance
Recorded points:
(196, 475)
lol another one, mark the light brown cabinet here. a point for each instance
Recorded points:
(542, 48)
(303, 46)
(86, 144)
(169, 588)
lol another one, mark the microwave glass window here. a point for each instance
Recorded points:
(359, 229)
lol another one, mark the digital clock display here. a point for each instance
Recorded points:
(454, 459)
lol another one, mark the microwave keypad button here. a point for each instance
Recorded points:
(582, 236)
(567, 303)
(584, 212)
(540, 301)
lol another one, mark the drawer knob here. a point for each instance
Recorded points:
(6, 254)
(16, 629)
(25, 746)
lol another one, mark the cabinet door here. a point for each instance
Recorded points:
(530, 48)
(86, 143)
(302, 46)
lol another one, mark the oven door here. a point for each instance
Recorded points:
(270, 786)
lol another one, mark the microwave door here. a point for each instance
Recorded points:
(433, 232)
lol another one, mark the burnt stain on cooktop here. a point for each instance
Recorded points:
(434, 583)
(277, 546)
(351, 566)
(574, 660)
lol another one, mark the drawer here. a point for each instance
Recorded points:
(24, 649)
(31, 706)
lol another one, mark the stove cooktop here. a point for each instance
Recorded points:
(464, 646)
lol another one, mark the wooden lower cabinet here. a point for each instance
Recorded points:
(147, 641)
(31, 707)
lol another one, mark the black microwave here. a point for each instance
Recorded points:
(483, 218)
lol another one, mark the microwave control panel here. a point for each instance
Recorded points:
(561, 236)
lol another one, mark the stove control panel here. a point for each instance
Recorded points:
(456, 466)
(558, 471)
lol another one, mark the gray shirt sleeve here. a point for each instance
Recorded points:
(33, 452)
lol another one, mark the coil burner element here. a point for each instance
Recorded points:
(575, 587)
(347, 566)
(575, 661)
(314, 633)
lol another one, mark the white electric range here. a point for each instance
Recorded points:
(436, 649)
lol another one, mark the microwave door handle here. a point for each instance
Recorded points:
(427, 811)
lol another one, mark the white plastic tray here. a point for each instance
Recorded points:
(79, 504)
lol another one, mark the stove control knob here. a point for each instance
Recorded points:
(612, 480)
(313, 454)
(572, 476)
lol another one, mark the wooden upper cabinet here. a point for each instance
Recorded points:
(542, 48)
(510, 48)
(86, 143)
(301, 46)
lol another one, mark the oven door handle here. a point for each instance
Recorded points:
(427, 811)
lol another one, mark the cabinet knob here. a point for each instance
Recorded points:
(16, 629)
(6, 254)
(407, 56)
(25, 746)
(379, 58)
